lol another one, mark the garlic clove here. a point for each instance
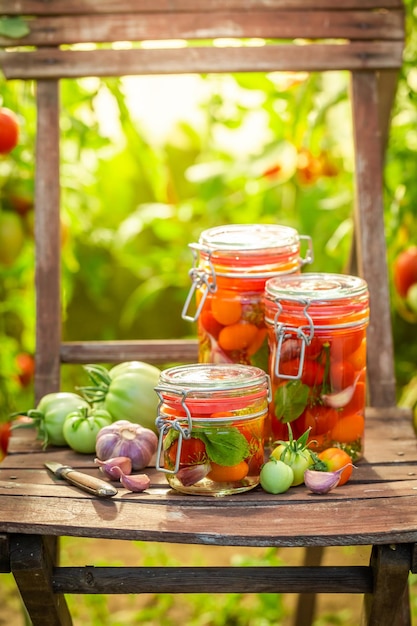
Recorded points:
(132, 482)
(321, 482)
(123, 463)
(339, 399)
(191, 474)
(135, 482)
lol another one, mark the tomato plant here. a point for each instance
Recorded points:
(335, 459)
(12, 237)
(405, 270)
(276, 476)
(9, 130)
(82, 426)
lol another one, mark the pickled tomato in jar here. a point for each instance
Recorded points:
(317, 339)
(231, 266)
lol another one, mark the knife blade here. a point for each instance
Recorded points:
(88, 483)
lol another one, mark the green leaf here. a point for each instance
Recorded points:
(224, 446)
(291, 400)
(13, 27)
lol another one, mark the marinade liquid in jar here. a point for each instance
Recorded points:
(317, 342)
(231, 266)
(211, 427)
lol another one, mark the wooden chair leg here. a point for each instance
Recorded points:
(32, 562)
(388, 605)
(306, 602)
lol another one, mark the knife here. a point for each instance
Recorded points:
(88, 483)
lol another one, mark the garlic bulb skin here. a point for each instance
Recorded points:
(124, 438)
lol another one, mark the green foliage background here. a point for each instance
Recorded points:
(266, 148)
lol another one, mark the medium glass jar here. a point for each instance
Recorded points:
(231, 266)
(211, 427)
(317, 343)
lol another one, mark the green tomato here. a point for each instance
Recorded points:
(131, 396)
(276, 476)
(49, 416)
(127, 391)
(412, 297)
(82, 426)
(298, 459)
(147, 370)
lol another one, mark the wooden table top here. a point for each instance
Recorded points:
(377, 506)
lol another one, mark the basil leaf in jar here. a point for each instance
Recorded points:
(291, 400)
(224, 447)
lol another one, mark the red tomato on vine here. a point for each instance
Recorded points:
(9, 130)
(405, 270)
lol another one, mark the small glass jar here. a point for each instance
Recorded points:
(211, 427)
(231, 266)
(317, 343)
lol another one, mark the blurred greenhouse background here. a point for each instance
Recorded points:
(150, 162)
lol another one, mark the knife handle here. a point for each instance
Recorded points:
(88, 483)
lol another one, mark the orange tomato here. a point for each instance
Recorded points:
(226, 308)
(348, 428)
(226, 474)
(335, 459)
(258, 341)
(237, 336)
(358, 357)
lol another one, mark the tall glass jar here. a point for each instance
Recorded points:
(231, 266)
(211, 427)
(317, 342)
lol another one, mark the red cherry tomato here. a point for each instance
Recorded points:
(26, 368)
(4, 438)
(342, 375)
(193, 451)
(405, 270)
(321, 419)
(9, 130)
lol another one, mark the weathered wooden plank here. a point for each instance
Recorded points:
(47, 240)
(362, 25)
(4, 554)
(371, 244)
(153, 351)
(283, 579)
(31, 564)
(391, 565)
(267, 523)
(83, 7)
(47, 64)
